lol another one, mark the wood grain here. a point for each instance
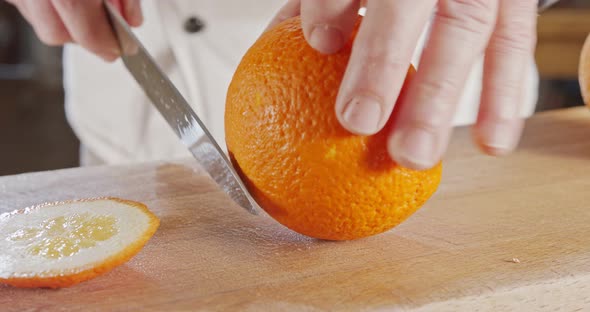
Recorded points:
(454, 254)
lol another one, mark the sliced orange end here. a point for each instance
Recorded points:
(62, 244)
(584, 71)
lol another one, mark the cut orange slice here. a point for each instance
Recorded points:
(62, 244)
(584, 71)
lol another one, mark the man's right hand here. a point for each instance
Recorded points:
(84, 22)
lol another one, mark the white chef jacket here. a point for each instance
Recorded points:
(115, 121)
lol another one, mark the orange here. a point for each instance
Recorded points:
(584, 71)
(62, 244)
(302, 167)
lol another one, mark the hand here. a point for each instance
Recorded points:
(462, 31)
(84, 22)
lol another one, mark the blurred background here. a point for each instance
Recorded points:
(34, 133)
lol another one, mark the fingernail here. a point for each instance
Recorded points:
(498, 138)
(326, 39)
(109, 57)
(362, 115)
(415, 148)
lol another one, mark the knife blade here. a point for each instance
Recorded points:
(178, 112)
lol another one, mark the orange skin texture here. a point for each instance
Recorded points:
(584, 71)
(115, 260)
(302, 167)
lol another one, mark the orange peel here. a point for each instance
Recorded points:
(61, 244)
(584, 71)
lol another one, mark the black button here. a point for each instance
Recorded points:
(193, 24)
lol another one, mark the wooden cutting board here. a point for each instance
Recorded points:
(500, 233)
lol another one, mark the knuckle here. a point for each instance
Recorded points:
(443, 89)
(508, 42)
(500, 112)
(435, 103)
(475, 16)
(523, 6)
(501, 98)
(87, 32)
(50, 41)
(379, 55)
(378, 71)
(429, 125)
(516, 32)
(87, 37)
(506, 88)
(52, 36)
(68, 5)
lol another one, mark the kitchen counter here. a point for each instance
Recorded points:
(508, 233)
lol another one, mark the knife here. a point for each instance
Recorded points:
(177, 112)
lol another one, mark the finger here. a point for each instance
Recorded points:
(379, 62)
(118, 5)
(133, 12)
(130, 10)
(508, 55)
(459, 35)
(88, 25)
(47, 24)
(328, 24)
(291, 9)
